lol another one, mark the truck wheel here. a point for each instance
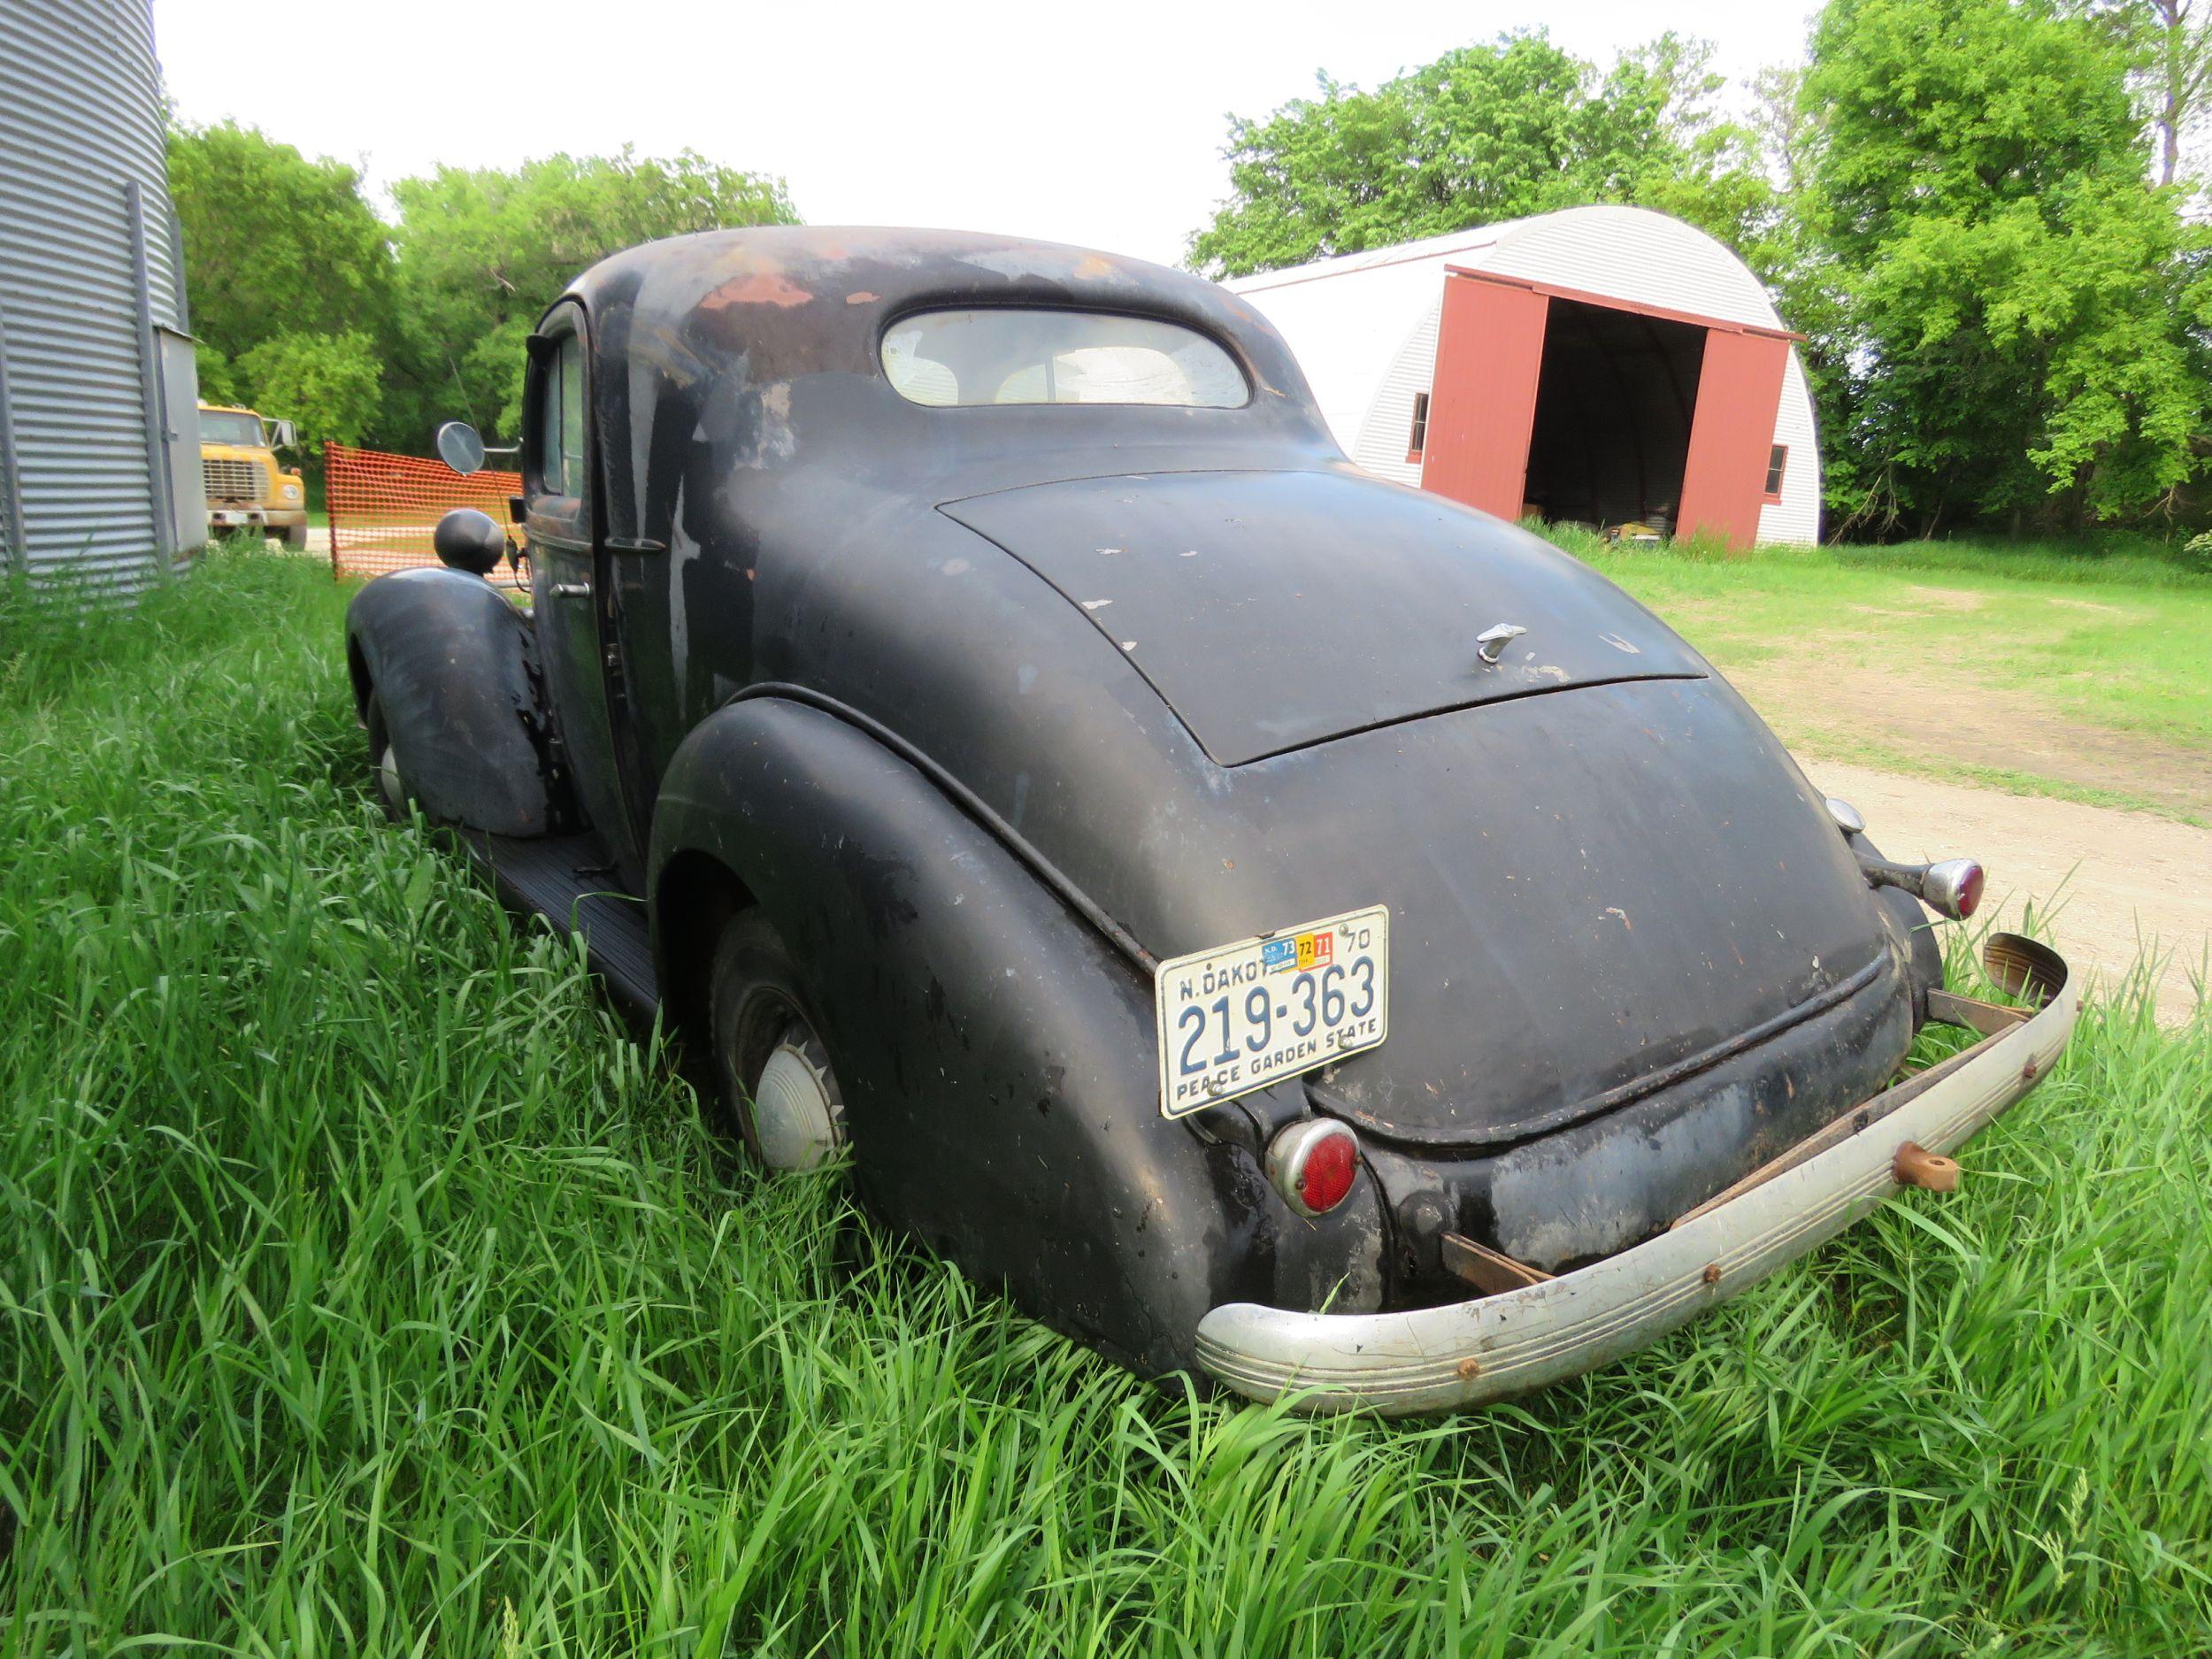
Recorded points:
(771, 1071)
(391, 787)
(295, 538)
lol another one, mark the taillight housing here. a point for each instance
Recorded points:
(1313, 1165)
(1953, 887)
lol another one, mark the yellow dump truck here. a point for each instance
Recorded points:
(247, 490)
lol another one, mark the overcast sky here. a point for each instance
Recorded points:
(1096, 124)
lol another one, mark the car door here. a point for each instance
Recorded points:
(560, 488)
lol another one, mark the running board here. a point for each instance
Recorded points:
(568, 879)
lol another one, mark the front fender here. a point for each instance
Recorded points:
(996, 1052)
(449, 661)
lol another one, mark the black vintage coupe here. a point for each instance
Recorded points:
(1280, 925)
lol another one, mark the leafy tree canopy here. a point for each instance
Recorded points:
(2015, 322)
(329, 386)
(274, 243)
(483, 252)
(309, 306)
(1486, 132)
(290, 276)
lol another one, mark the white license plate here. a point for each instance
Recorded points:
(1240, 1016)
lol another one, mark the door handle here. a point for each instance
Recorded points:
(570, 590)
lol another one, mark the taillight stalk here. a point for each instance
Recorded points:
(1952, 886)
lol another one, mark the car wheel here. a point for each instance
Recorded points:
(295, 538)
(391, 787)
(772, 1073)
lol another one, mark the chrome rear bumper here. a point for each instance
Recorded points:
(1471, 1353)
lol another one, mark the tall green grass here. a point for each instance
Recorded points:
(363, 1290)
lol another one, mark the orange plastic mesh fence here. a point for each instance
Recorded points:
(383, 508)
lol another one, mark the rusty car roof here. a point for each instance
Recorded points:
(765, 343)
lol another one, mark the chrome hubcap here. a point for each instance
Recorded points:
(395, 792)
(797, 1117)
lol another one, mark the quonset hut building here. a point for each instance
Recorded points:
(1600, 365)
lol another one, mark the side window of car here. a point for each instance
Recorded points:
(561, 421)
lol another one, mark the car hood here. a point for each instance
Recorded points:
(1270, 610)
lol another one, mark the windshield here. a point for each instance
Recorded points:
(1006, 356)
(218, 427)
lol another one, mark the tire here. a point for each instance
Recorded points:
(295, 538)
(391, 785)
(773, 1073)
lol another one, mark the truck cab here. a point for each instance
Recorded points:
(248, 489)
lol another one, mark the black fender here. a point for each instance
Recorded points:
(994, 1047)
(452, 664)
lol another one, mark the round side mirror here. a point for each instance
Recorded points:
(467, 540)
(460, 449)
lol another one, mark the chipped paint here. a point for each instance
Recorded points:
(763, 287)
(773, 437)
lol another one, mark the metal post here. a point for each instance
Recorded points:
(12, 543)
(155, 422)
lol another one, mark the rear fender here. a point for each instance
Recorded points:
(451, 663)
(995, 1051)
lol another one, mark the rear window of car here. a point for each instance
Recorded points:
(1005, 355)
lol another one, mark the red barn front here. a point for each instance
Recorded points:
(1605, 366)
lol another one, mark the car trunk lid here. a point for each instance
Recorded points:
(1272, 611)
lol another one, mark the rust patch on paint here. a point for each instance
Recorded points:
(763, 287)
(861, 298)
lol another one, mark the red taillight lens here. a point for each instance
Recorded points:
(1313, 1165)
(1953, 887)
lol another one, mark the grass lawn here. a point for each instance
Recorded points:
(2040, 665)
(365, 1291)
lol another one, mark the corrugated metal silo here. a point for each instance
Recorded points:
(99, 434)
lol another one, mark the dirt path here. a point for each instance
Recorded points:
(1935, 719)
(2121, 884)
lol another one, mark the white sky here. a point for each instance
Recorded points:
(1100, 125)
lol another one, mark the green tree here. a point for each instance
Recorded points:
(484, 252)
(2018, 315)
(290, 277)
(1486, 132)
(330, 386)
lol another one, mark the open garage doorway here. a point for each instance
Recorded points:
(1567, 407)
(1616, 401)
